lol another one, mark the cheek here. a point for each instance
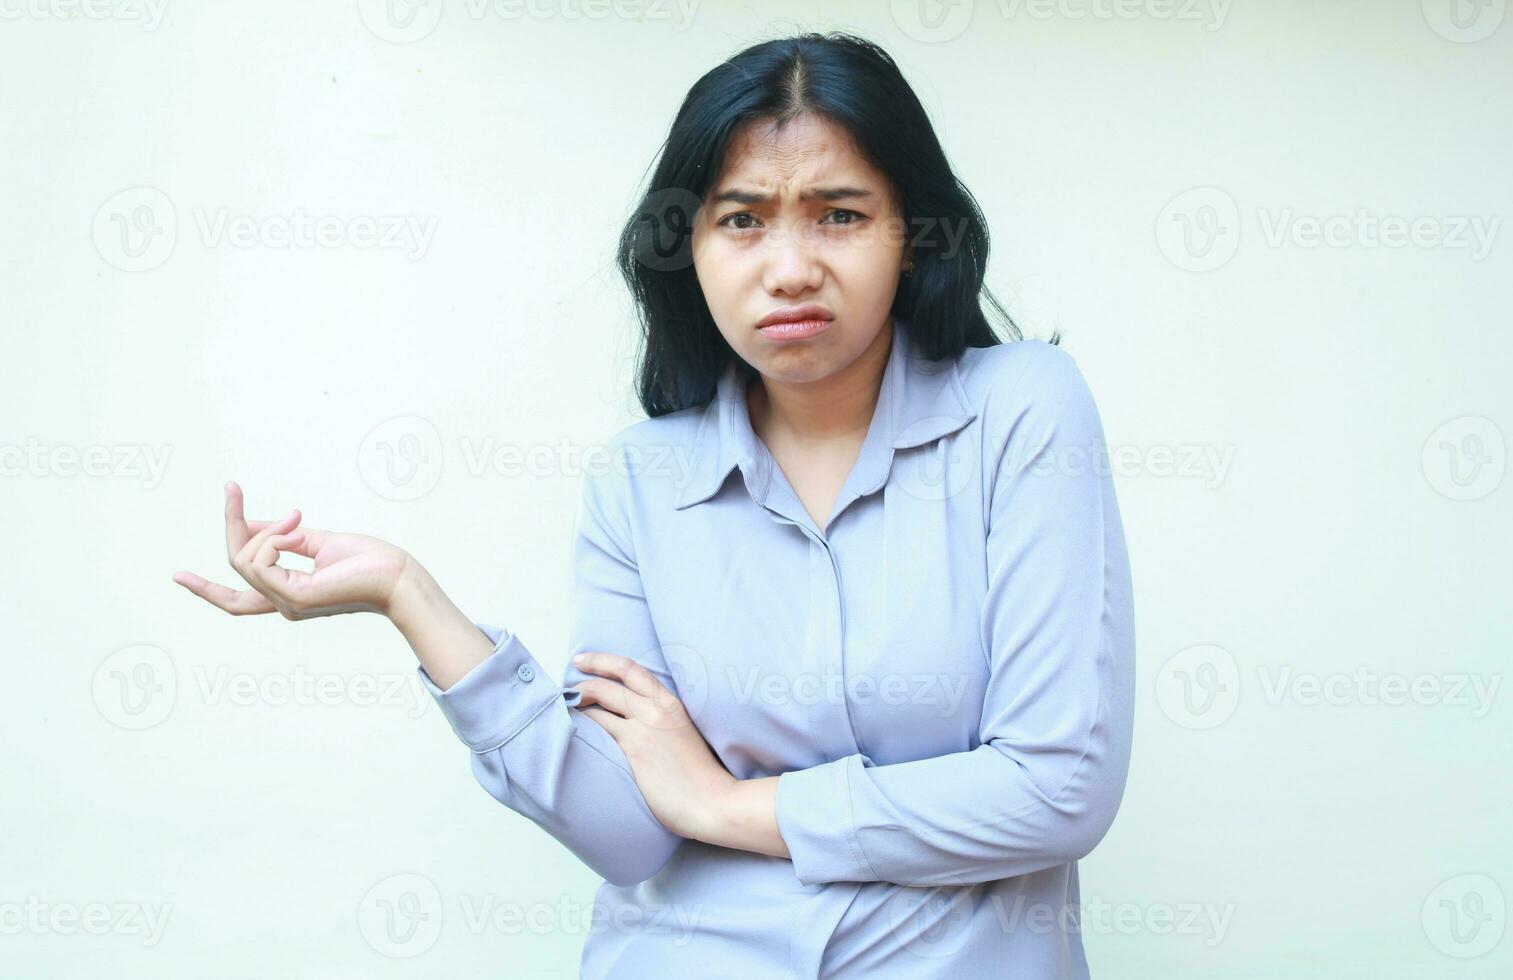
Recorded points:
(868, 271)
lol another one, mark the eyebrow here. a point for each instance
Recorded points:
(738, 196)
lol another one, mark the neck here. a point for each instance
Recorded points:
(836, 408)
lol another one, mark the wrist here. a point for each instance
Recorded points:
(718, 812)
(412, 592)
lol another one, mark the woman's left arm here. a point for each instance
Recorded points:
(1057, 623)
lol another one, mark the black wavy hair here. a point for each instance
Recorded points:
(855, 84)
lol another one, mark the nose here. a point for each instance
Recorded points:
(793, 266)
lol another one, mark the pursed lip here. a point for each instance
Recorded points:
(795, 314)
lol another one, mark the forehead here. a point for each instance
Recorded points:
(808, 147)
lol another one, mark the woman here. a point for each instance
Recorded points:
(859, 709)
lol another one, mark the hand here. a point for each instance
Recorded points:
(678, 774)
(353, 572)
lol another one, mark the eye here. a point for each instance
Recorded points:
(855, 216)
(731, 217)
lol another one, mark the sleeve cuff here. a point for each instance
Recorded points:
(814, 816)
(495, 700)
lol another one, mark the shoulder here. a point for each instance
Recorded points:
(1027, 373)
(645, 458)
(1028, 391)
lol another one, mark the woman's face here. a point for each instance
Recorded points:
(798, 217)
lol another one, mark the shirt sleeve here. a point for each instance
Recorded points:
(533, 750)
(1042, 786)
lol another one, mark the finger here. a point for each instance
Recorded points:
(612, 695)
(236, 523)
(270, 579)
(245, 561)
(313, 540)
(254, 544)
(267, 555)
(630, 673)
(275, 580)
(238, 602)
(607, 720)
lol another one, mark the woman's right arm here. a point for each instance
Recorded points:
(532, 750)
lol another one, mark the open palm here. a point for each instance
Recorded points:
(353, 572)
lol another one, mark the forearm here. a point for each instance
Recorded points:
(745, 818)
(447, 643)
(532, 751)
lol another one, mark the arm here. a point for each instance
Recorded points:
(1043, 786)
(532, 750)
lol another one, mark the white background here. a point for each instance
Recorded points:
(1313, 437)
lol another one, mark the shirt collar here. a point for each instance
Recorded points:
(919, 401)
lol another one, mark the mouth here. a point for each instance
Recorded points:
(796, 322)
